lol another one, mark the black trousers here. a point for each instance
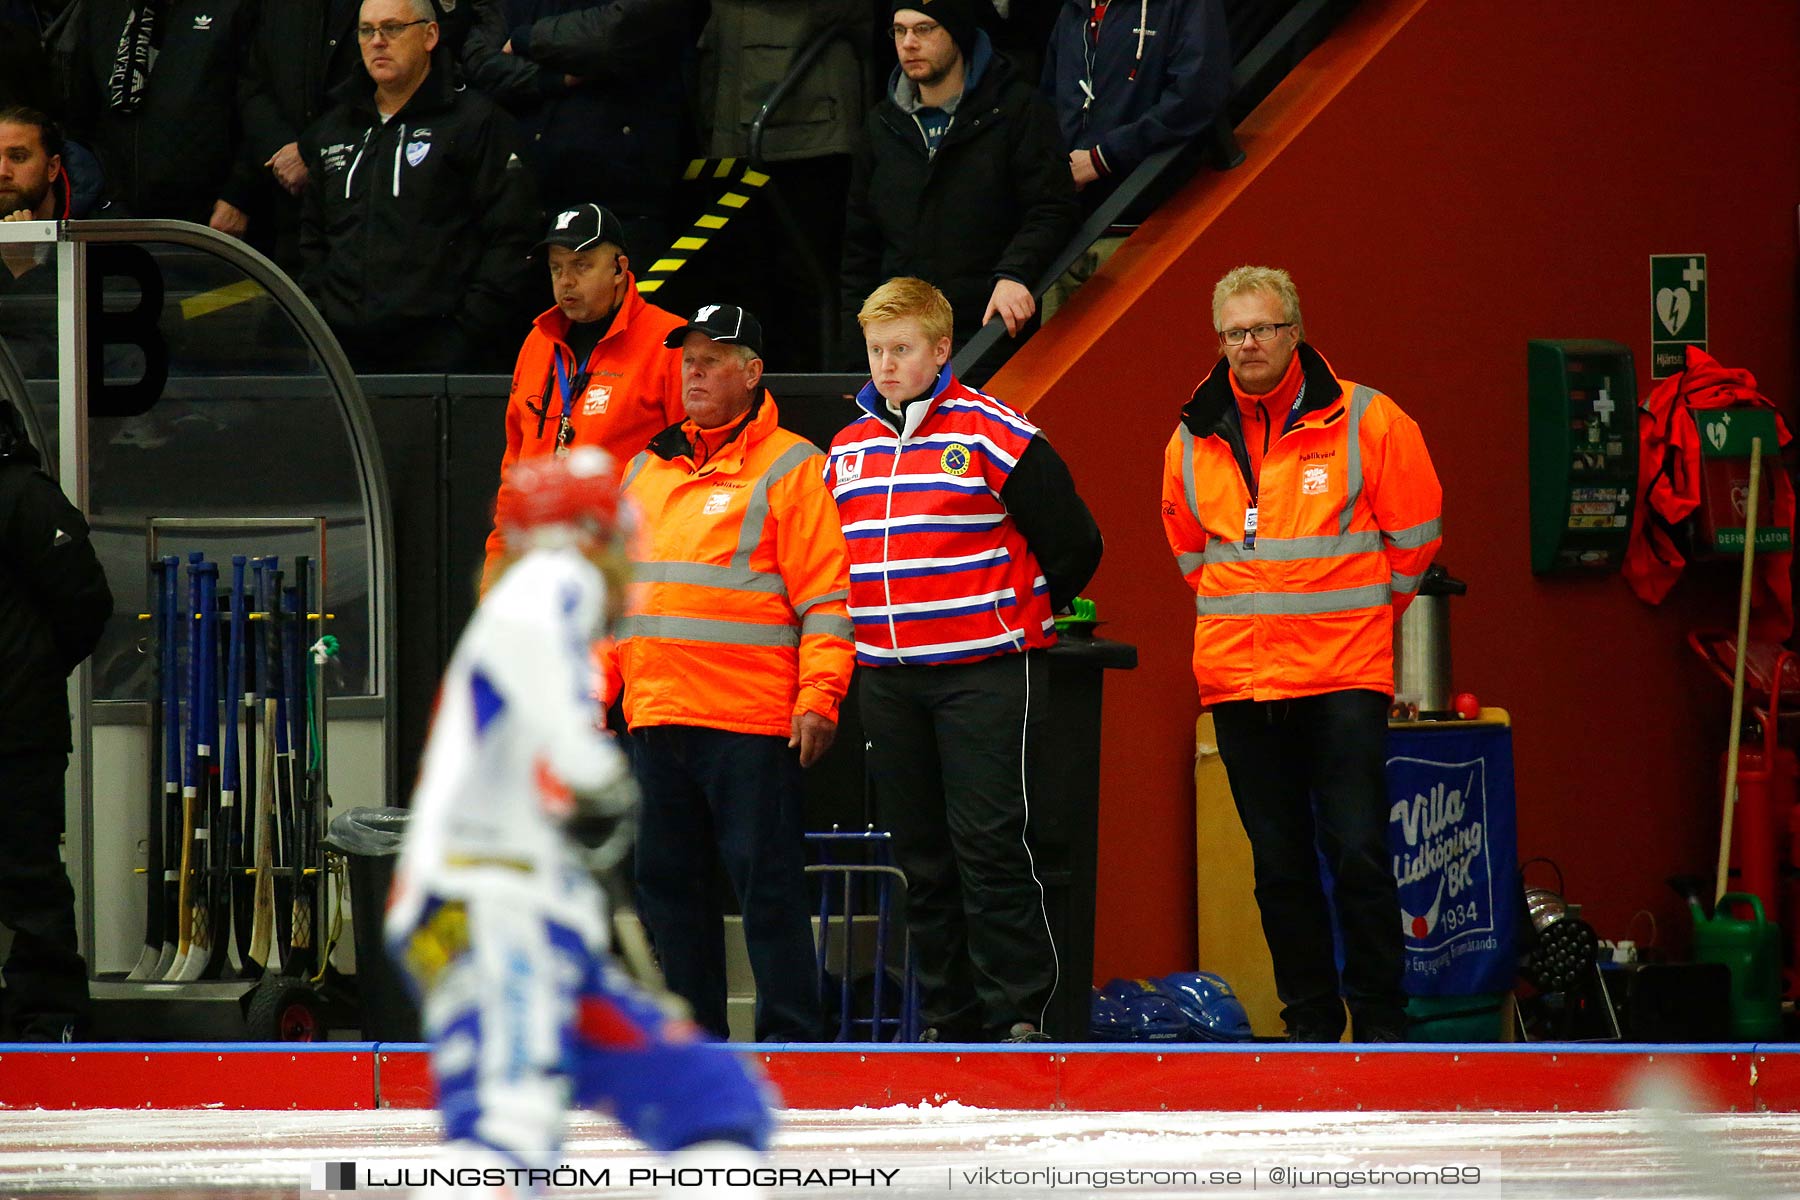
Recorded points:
(711, 795)
(1309, 779)
(46, 978)
(953, 754)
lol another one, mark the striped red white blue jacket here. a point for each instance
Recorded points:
(939, 573)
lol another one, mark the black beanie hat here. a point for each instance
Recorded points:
(956, 16)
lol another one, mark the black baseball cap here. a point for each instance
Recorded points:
(721, 323)
(584, 227)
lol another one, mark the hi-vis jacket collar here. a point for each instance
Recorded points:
(1214, 410)
(912, 412)
(673, 442)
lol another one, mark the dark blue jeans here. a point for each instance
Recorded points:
(1309, 778)
(713, 796)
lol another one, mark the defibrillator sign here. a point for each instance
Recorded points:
(1678, 290)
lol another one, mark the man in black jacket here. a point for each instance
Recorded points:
(419, 216)
(961, 178)
(155, 90)
(303, 51)
(598, 88)
(54, 602)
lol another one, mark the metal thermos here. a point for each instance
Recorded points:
(1422, 646)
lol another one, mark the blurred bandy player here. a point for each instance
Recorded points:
(494, 913)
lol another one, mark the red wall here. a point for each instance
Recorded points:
(1446, 180)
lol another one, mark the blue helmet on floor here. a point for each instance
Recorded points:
(1150, 1014)
(1211, 1007)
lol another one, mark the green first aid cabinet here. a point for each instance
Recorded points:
(1584, 452)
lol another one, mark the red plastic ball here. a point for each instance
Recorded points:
(1466, 706)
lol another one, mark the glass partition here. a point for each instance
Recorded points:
(208, 397)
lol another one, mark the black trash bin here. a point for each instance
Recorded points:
(369, 838)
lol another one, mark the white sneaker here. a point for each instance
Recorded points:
(707, 1170)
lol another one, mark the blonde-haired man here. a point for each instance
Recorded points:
(966, 535)
(1303, 510)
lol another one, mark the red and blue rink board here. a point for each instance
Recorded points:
(1540, 1077)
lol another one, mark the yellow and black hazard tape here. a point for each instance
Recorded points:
(741, 182)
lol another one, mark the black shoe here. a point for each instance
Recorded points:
(1025, 1031)
(1374, 1034)
(1311, 1033)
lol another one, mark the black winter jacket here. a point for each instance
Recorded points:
(420, 228)
(54, 603)
(183, 148)
(996, 201)
(304, 49)
(616, 137)
(1148, 92)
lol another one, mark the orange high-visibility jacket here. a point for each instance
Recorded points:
(631, 394)
(737, 616)
(1348, 518)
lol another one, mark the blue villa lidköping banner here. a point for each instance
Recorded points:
(1452, 839)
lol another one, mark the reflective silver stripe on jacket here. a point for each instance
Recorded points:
(1294, 604)
(806, 606)
(756, 509)
(1190, 561)
(1360, 399)
(1414, 536)
(700, 629)
(733, 579)
(637, 464)
(1293, 549)
(829, 623)
(1406, 585)
(1187, 474)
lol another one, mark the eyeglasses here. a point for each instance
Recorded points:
(389, 30)
(921, 31)
(1262, 333)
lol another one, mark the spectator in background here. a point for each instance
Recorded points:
(961, 179)
(156, 91)
(598, 91)
(593, 370)
(36, 179)
(746, 51)
(418, 213)
(25, 76)
(1131, 77)
(734, 660)
(303, 51)
(1021, 30)
(966, 534)
(42, 178)
(54, 603)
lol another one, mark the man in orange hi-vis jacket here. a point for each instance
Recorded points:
(735, 653)
(1303, 510)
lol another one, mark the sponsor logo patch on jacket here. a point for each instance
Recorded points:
(1313, 481)
(599, 395)
(850, 467)
(717, 503)
(955, 459)
(416, 152)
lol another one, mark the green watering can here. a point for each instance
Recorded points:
(1751, 948)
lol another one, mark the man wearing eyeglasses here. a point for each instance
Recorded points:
(418, 215)
(1303, 510)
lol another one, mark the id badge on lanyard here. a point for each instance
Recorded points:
(565, 426)
(1250, 528)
